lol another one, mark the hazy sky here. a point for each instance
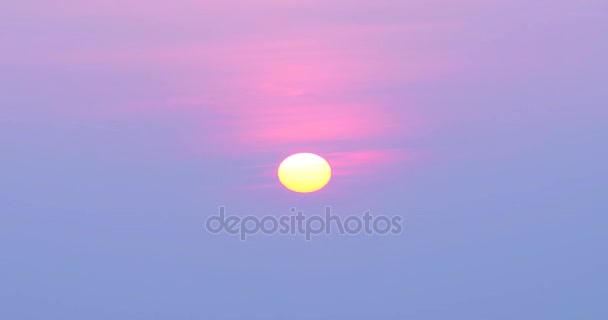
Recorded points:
(125, 124)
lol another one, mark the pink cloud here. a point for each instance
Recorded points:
(285, 86)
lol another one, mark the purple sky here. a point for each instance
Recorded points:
(124, 124)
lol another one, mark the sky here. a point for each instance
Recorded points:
(124, 125)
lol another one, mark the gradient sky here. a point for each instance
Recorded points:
(125, 124)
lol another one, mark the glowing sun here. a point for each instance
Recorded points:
(304, 173)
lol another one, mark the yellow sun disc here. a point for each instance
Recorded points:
(304, 173)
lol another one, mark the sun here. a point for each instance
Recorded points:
(304, 172)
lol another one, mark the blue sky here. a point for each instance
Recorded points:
(124, 125)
